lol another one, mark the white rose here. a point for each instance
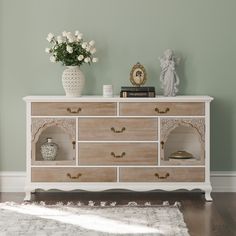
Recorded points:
(59, 39)
(71, 39)
(84, 45)
(93, 50)
(91, 43)
(64, 33)
(95, 59)
(76, 32)
(68, 34)
(52, 59)
(47, 50)
(80, 57)
(50, 37)
(80, 36)
(87, 59)
(69, 49)
(88, 48)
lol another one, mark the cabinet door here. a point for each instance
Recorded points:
(63, 134)
(182, 141)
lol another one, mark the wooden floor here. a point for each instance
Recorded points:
(217, 218)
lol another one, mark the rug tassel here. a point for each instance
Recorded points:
(177, 204)
(93, 204)
(165, 203)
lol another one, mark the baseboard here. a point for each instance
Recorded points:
(14, 181)
(223, 181)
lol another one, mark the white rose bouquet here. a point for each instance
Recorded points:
(70, 49)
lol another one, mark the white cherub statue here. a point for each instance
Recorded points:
(169, 78)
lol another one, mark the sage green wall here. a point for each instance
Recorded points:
(202, 32)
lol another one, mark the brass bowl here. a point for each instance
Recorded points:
(181, 155)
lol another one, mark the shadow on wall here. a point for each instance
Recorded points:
(222, 140)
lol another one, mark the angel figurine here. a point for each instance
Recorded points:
(169, 78)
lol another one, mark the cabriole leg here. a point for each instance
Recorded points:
(208, 196)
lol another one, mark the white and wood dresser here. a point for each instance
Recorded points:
(119, 143)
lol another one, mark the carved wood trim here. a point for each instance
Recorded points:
(169, 124)
(41, 124)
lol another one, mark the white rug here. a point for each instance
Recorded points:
(76, 219)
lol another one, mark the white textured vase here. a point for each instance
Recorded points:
(73, 81)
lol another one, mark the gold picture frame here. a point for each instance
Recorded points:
(138, 75)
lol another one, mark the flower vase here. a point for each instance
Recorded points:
(73, 81)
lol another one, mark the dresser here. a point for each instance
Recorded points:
(119, 143)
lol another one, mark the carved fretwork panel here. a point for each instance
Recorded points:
(168, 125)
(66, 127)
(40, 124)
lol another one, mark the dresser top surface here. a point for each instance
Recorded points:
(95, 98)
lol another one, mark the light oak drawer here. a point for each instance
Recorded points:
(124, 129)
(78, 174)
(117, 153)
(162, 109)
(73, 109)
(151, 174)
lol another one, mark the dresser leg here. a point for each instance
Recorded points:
(208, 196)
(27, 196)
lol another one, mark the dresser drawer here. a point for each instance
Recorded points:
(162, 109)
(78, 174)
(73, 109)
(124, 129)
(152, 174)
(117, 153)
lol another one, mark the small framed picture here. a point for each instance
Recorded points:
(138, 75)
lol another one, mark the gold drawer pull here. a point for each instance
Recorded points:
(74, 177)
(118, 131)
(162, 144)
(162, 112)
(73, 144)
(118, 156)
(162, 177)
(74, 111)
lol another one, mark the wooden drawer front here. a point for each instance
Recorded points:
(73, 108)
(117, 153)
(118, 129)
(162, 109)
(57, 174)
(150, 174)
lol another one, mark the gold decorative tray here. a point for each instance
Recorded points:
(181, 155)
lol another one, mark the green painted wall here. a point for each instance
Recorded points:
(202, 32)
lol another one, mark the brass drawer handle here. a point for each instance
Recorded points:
(74, 177)
(162, 144)
(118, 156)
(74, 111)
(73, 144)
(118, 131)
(162, 177)
(162, 112)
